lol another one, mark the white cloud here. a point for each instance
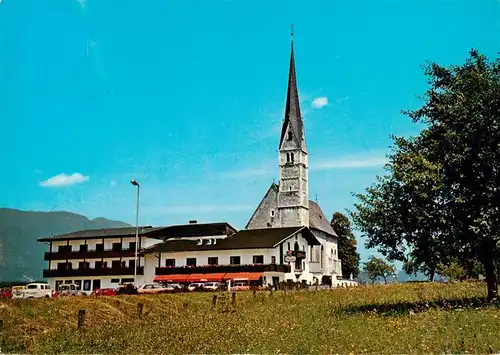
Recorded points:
(319, 102)
(64, 180)
(82, 3)
(350, 163)
(112, 183)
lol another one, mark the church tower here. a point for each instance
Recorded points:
(293, 199)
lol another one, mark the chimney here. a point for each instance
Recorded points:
(193, 221)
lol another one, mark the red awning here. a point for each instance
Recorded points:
(171, 278)
(253, 276)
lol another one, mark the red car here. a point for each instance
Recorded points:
(104, 292)
(6, 293)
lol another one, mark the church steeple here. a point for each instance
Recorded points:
(293, 200)
(293, 127)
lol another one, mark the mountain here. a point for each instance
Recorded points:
(21, 254)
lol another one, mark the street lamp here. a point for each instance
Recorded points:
(135, 183)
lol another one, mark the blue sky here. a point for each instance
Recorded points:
(188, 96)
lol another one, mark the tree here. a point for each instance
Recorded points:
(453, 271)
(376, 267)
(440, 199)
(346, 244)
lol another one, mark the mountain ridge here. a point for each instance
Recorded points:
(21, 254)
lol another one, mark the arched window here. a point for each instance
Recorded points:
(291, 154)
(287, 157)
(296, 247)
(290, 135)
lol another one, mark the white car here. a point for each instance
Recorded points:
(195, 285)
(153, 288)
(18, 291)
(70, 290)
(38, 290)
(211, 286)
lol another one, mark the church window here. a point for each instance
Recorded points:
(272, 213)
(291, 157)
(290, 135)
(287, 157)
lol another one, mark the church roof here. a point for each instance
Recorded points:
(318, 220)
(244, 239)
(293, 117)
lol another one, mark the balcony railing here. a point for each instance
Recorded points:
(209, 269)
(92, 272)
(90, 254)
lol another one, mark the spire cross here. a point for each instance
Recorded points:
(291, 31)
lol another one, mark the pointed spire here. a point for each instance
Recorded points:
(293, 117)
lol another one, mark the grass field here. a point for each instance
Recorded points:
(404, 318)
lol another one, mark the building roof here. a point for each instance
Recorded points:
(184, 230)
(318, 220)
(244, 239)
(99, 233)
(293, 116)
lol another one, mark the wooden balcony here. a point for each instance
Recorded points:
(210, 269)
(90, 254)
(92, 272)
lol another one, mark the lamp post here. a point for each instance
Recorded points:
(135, 183)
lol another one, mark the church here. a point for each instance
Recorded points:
(287, 238)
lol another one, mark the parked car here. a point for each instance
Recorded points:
(195, 286)
(126, 289)
(7, 293)
(175, 286)
(103, 292)
(37, 290)
(211, 286)
(240, 286)
(18, 291)
(69, 290)
(153, 288)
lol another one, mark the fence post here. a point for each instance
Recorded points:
(81, 318)
(140, 306)
(214, 301)
(233, 299)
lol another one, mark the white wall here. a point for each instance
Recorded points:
(246, 256)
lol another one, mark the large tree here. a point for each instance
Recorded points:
(377, 267)
(440, 199)
(346, 244)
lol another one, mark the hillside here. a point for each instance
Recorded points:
(21, 254)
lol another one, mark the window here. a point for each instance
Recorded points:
(99, 247)
(86, 285)
(170, 262)
(258, 259)
(287, 157)
(234, 260)
(291, 157)
(83, 265)
(68, 282)
(131, 246)
(289, 246)
(115, 281)
(115, 264)
(31, 287)
(64, 249)
(296, 247)
(61, 266)
(98, 264)
(213, 260)
(290, 135)
(303, 248)
(84, 247)
(272, 213)
(191, 261)
(116, 247)
(273, 260)
(131, 264)
(127, 280)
